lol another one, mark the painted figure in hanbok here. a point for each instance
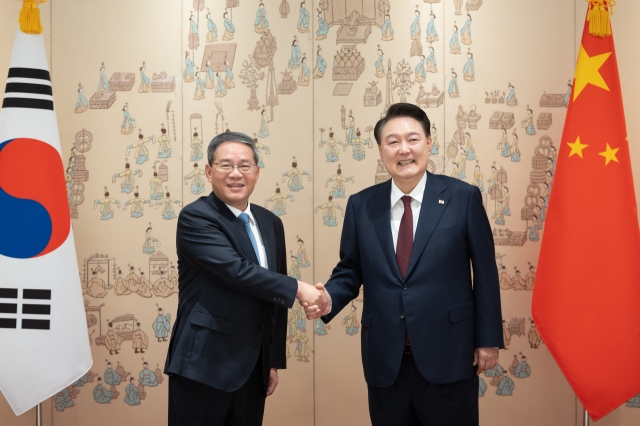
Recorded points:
(493, 179)
(167, 206)
(469, 70)
(221, 88)
(81, 104)
(149, 246)
(415, 27)
(456, 170)
(302, 347)
(329, 216)
(432, 34)
(465, 34)
(523, 370)
(200, 87)
(294, 272)
(454, 43)
(332, 149)
(380, 64)
(567, 96)
(189, 68)
(229, 28)
(323, 28)
(387, 29)
(477, 179)
(163, 287)
(106, 206)
(300, 317)
(95, 287)
(296, 56)
(454, 92)
(261, 24)
(358, 146)
(164, 144)
(430, 62)
(147, 377)
(534, 337)
(102, 395)
(499, 213)
(228, 75)
(132, 280)
(503, 144)
(533, 230)
(506, 386)
(264, 126)
(173, 276)
(471, 152)
(132, 396)
(111, 377)
(128, 182)
(518, 281)
(321, 65)
(320, 328)
(435, 145)
(482, 387)
(350, 133)
(350, 322)
(420, 71)
(515, 151)
(530, 278)
(156, 187)
(210, 78)
(103, 84)
(511, 98)
(197, 181)
(338, 189)
(301, 257)
(303, 79)
(63, 400)
(527, 123)
(291, 324)
(121, 288)
(193, 27)
(145, 82)
(142, 153)
(112, 340)
(162, 325)
(212, 35)
(144, 286)
(128, 123)
(462, 164)
(506, 208)
(303, 21)
(261, 147)
(294, 177)
(140, 340)
(196, 147)
(506, 335)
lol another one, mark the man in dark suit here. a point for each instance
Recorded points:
(230, 332)
(428, 328)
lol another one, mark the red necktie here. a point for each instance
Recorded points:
(405, 237)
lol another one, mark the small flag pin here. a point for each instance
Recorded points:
(440, 201)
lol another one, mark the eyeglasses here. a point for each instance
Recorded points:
(244, 168)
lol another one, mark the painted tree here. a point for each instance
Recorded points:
(403, 81)
(250, 75)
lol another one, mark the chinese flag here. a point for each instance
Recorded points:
(586, 302)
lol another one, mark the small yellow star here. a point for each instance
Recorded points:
(588, 72)
(577, 147)
(610, 154)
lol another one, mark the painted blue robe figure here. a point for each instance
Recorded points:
(527, 123)
(295, 179)
(523, 370)
(193, 25)
(295, 271)
(111, 377)
(430, 63)
(506, 386)
(264, 125)
(435, 146)
(469, 69)
(462, 165)
(144, 82)
(465, 33)
(196, 149)
(471, 152)
(323, 28)
(81, 104)
(495, 371)
(81, 381)
(150, 242)
(131, 397)
(321, 66)
(380, 65)
(387, 29)
(148, 377)
(338, 190)
(319, 328)
(351, 322)
(415, 27)
(200, 88)
(230, 29)
(303, 79)
(515, 151)
(504, 145)
(156, 187)
(329, 217)
(482, 388)
(294, 62)
(301, 320)
(228, 77)
(567, 97)
(221, 88)
(454, 92)
(506, 209)
(432, 34)
(213, 30)
(533, 232)
(197, 182)
(102, 395)
(303, 21)
(511, 99)
(189, 68)
(261, 24)
(499, 214)
(454, 43)
(128, 183)
(420, 71)
(62, 400)
(127, 120)
(350, 133)
(103, 84)
(162, 325)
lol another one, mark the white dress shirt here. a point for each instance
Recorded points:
(397, 207)
(256, 233)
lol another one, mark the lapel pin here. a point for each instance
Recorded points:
(440, 201)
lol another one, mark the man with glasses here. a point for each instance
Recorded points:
(229, 338)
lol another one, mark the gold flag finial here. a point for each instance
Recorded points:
(30, 17)
(599, 17)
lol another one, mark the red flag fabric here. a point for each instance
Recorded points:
(586, 301)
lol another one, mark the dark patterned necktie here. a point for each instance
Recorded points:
(405, 237)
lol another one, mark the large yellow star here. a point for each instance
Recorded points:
(577, 147)
(588, 72)
(610, 154)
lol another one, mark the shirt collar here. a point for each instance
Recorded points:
(237, 212)
(416, 194)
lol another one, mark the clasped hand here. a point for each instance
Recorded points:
(315, 300)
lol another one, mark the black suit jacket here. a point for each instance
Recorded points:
(445, 314)
(229, 307)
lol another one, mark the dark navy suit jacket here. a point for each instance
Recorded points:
(446, 313)
(229, 307)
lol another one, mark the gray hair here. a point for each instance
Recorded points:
(231, 137)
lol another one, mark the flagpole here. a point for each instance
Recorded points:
(586, 418)
(39, 414)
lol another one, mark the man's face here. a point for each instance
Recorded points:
(404, 149)
(233, 188)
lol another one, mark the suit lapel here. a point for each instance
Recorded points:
(430, 213)
(235, 226)
(381, 214)
(265, 226)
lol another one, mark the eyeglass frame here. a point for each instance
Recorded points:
(234, 166)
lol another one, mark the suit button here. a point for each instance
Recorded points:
(282, 301)
(259, 326)
(275, 298)
(404, 287)
(402, 315)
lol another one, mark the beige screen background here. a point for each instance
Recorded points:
(529, 45)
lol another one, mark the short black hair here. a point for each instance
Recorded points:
(403, 110)
(231, 137)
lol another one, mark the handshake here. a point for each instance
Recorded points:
(315, 300)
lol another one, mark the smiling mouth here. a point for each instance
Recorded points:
(405, 162)
(235, 185)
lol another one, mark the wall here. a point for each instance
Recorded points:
(531, 45)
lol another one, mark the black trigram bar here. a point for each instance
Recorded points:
(8, 293)
(35, 309)
(36, 89)
(29, 73)
(36, 294)
(27, 103)
(31, 324)
(8, 308)
(8, 323)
